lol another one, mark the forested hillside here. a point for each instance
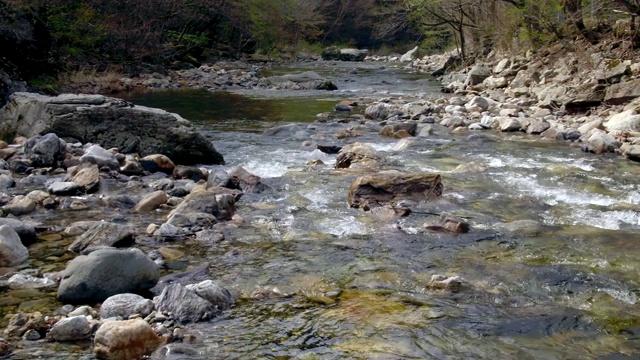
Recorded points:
(47, 36)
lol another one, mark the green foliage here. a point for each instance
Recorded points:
(75, 28)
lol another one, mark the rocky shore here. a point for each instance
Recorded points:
(575, 92)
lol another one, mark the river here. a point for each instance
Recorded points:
(318, 280)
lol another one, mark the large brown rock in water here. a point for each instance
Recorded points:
(382, 188)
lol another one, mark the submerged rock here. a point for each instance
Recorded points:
(308, 80)
(376, 190)
(449, 223)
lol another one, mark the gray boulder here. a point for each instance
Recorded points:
(111, 122)
(477, 74)
(620, 93)
(410, 55)
(192, 303)
(44, 151)
(64, 188)
(624, 121)
(125, 305)
(12, 252)
(106, 272)
(6, 181)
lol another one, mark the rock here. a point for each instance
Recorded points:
(64, 188)
(624, 121)
(363, 155)
(71, 329)
(23, 281)
(193, 303)
(509, 124)
(391, 130)
(21, 323)
(243, 180)
(537, 126)
(379, 189)
(151, 201)
(588, 126)
(631, 152)
(501, 66)
(425, 130)
(157, 162)
(111, 122)
(172, 230)
(86, 175)
(104, 234)
(287, 130)
(600, 142)
(192, 276)
(220, 206)
(521, 227)
(123, 340)
(449, 223)
(131, 166)
(377, 111)
(120, 201)
(622, 92)
(187, 172)
(20, 205)
(477, 74)
(45, 151)
(335, 53)
(106, 272)
(97, 155)
(125, 305)
(12, 252)
(410, 55)
(26, 231)
(493, 82)
(308, 80)
(478, 101)
(6, 181)
(441, 282)
(219, 178)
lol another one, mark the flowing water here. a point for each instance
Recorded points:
(318, 280)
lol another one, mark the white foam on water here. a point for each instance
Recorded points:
(622, 295)
(341, 227)
(610, 220)
(528, 185)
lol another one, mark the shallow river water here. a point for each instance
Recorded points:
(318, 280)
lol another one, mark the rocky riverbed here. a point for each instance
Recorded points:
(382, 214)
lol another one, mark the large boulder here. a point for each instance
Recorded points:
(380, 189)
(106, 272)
(126, 339)
(12, 252)
(410, 55)
(308, 80)
(358, 155)
(111, 122)
(73, 328)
